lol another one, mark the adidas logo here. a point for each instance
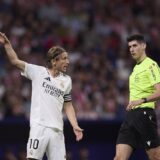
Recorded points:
(48, 78)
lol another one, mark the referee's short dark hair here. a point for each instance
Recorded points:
(137, 37)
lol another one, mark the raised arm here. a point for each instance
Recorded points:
(11, 54)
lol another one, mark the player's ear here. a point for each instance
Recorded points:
(144, 45)
(53, 62)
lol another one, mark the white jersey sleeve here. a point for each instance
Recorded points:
(31, 71)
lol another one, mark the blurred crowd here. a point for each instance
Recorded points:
(94, 33)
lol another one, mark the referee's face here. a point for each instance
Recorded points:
(137, 49)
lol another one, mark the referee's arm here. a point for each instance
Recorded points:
(156, 95)
(153, 97)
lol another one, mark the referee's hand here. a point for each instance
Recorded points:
(133, 104)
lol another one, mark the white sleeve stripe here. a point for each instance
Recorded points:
(67, 101)
(67, 97)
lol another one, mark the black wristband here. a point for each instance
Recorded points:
(144, 100)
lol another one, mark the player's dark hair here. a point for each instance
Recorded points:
(53, 53)
(137, 37)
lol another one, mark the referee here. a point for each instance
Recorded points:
(139, 129)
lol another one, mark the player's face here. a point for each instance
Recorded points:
(136, 49)
(63, 62)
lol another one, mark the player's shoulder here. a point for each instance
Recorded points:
(35, 66)
(65, 76)
(38, 68)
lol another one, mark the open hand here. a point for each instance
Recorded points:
(78, 132)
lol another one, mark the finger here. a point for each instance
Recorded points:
(3, 37)
(2, 34)
(129, 107)
(79, 137)
(79, 129)
(133, 107)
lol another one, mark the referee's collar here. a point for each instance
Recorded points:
(141, 61)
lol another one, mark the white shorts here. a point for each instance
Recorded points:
(46, 140)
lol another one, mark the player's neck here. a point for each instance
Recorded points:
(53, 73)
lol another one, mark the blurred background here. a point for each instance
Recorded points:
(94, 33)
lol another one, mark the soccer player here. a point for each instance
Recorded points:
(139, 129)
(51, 92)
